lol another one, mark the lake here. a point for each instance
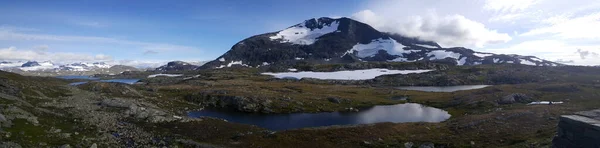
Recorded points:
(409, 112)
(126, 81)
(442, 88)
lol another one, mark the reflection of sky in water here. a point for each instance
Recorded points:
(409, 112)
(126, 81)
(442, 88)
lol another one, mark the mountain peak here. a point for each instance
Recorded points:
(176, 66)
(328, 40)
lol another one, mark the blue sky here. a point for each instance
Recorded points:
(134, 32)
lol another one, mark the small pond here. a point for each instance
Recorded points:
(409, 112)
(442, 88)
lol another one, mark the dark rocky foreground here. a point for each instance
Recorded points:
(46, 112)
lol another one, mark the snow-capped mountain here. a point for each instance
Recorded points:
(36, 66)
(345, 40)
(84, 66)
(176, 66)
(48, 68)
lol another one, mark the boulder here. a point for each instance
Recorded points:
(515, 98)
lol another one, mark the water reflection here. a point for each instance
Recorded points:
(409, 112)
(442, 88)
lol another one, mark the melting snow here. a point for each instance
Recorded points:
(292, 69)
(426, 46)
(462, 61)
(544, 102)
(527, 62)
(297, 58)
(482, 55)
(187, 78)
(233, 63)
(299, 34)
(344, 75)
(496, 60)
(389, 45)
(222, 59)
(165, 75)
(442, 54)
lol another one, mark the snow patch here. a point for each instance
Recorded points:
(302, 35)
(426, 46)
(442, 54)
(462, 61)
(527, 62)
(222, 59)
(233, 63)
(371, 49)
(545, 102)
(292, 69)
(165, 75)
(344, 75)
(482, 55)
(496, 60)
(187, 78)
(297, 58)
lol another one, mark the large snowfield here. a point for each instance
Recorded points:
(302, 35)
(344, 75)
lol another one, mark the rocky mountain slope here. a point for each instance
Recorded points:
(176, 66)
(343, 40)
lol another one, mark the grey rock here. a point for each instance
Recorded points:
(334, 100)
(408, 144)
(515, 98)
(65, 146)
(94, 145)
(9, 145)
(427, 145)
(2, 118)
(119, 103)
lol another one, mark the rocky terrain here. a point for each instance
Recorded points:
(176, 66)
(46, 112)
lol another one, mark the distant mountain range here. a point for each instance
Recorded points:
(48, 68)
(343, 40)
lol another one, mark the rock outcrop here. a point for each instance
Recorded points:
(579, 130)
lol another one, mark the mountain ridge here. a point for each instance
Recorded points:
(343, 40)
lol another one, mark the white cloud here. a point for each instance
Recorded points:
(569, 27)
(149, 52)
(90, 24)
(554, 50)
(14, 54)
(509, 5)
(9, 34)
(449, 30)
